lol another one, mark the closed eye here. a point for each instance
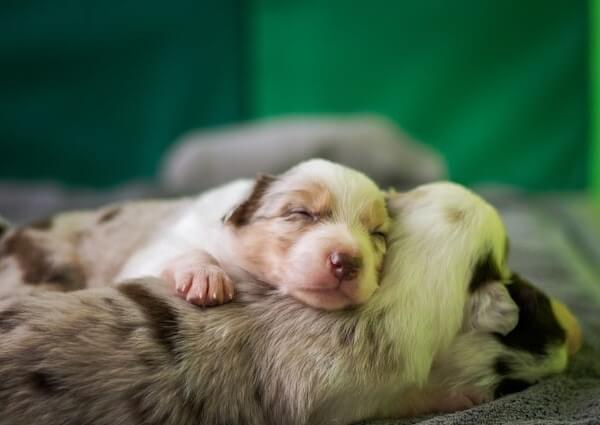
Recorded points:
(301, 213)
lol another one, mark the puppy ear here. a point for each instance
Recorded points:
(242, 214)
(492, 309)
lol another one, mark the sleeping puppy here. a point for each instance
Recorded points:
(317, 233)
(134, 354)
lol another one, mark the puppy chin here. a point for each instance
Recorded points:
(329, 294)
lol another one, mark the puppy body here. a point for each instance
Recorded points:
(319, 228)
(77, 250)
(134, 354)
(317, 233)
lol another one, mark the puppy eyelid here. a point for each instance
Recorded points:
(302, 212)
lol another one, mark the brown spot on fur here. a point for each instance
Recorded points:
(42, 224)
(109, 214)
(32, 259)
(259, 393)
(243, 213)
(162, 318)
(316, 196)
(9, 319)
(36, 266)
(68, 277)
(125, 324)
(45, 383)
(455, 215)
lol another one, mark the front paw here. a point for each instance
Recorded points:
(204, 285)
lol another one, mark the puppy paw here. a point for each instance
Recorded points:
(204, 285)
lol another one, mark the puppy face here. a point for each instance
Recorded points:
(318, 232)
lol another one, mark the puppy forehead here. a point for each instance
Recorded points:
(345, 191)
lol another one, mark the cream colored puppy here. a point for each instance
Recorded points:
(317, 233)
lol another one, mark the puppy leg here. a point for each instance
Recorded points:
(198, 277)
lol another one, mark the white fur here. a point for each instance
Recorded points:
(197, 227)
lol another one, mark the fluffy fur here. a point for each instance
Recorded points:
(135, 354)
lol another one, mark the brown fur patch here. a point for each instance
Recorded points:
(32, 259)
(46, 383)
(42, 224)
(109, 214)
(455, 215)
(70, 277)
(162, 318)
(243, 213)
(9, 319)
(315, 196)
(36, 265)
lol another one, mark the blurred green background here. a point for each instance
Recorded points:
(93, 93)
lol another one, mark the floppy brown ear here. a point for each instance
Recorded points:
(492, 309)
(242, 214)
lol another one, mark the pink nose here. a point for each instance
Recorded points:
(344, 266)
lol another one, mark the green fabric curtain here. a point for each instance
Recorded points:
(595, 109)
(499, 87)
(92, 93)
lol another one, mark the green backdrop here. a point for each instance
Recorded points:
(93, 94)
(595, 110)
